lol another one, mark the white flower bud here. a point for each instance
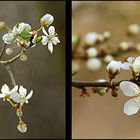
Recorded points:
(22, 127)
(113, 68)
(124, 46)
(47, 19)
(8, 38)
(101, 37)
(134, 29)
(93, 64)
(92, 52)
(136, 66)
(107, 34)
(108, 58)
(91, 38)
(9, 51)
(2, 25)
(23, 57)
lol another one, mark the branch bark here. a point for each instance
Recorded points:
(83, 84)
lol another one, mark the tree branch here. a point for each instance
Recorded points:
(8, 68)
(2, 51)
(83, 84)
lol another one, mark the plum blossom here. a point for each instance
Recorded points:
(132, 63)
(20, 96)
(47, 20)
(50, 39)
(6, 92)
(132, 106)
(114, 67)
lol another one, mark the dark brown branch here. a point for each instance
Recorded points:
(83, 84)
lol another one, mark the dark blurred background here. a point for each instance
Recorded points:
(43, 72)
(103, 117)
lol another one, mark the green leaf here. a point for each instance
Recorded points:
(25, 35)
(38, 40)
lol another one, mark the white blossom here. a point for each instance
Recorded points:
(132, 63)
(8, 38)
(47, 20)
(131, 89)
(114, 67)
(92, 52)
(6, 92)
(20, 28)
(50, 39)
(108, 58)
(93, 64)
(91, 38)
(20, 96)
(134, 29)
(124, 46)
(107, 34)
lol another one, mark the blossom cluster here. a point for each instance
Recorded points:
(22, 36)
(17, 97)
(96, 49)
(129, 88)
(25, 37)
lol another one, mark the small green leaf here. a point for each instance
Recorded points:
(25, 35)
(38, 40)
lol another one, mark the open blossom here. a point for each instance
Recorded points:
(131, 89)
(17, 29)
(50, 39)
(20, 27)
(20, 96)
(6, 92)
(114, 67)
(47, 20)
(132, 63)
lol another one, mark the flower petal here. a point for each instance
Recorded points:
(22, 91)
(29, 95)
(15, 97)
(129, 88)
(44, 40)
(51, 30)
(126, 66)
(130, 59)
(1, 95)
(131, 107)
(44, 31)
(50, 47)
(14, 89)
(5, 89)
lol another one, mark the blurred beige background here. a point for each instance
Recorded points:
(43, 72)
(97, 116)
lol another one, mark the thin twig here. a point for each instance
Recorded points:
(8, 68)
(2, 51)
